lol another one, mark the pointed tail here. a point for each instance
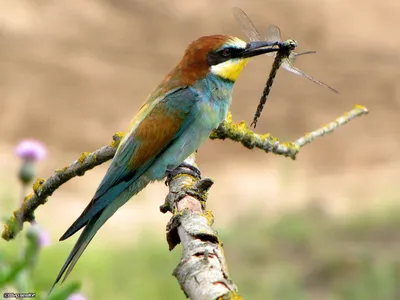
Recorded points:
(90, 230)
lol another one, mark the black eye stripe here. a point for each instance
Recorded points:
(220, 56)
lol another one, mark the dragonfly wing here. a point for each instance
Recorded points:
(273, 35)
(246, 24)
(293, 55)
(288, 65)
(303, 53)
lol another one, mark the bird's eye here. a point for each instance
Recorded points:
(226, 52)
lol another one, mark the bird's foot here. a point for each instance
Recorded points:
(183, 168)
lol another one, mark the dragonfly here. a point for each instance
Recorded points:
(285, 57)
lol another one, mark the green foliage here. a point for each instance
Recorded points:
(17, 268)
(300, 256)
(308, 255)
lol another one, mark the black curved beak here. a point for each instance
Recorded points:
(258, 48)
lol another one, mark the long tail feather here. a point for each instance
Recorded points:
(94, 224)
(83, 240)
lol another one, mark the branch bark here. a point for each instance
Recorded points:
(202, 272)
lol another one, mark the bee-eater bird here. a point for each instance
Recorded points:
(178, 116)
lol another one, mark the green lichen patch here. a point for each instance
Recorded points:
(62, 170)
(82, 158)
(232, 295)
(117, 138)
(37, 184)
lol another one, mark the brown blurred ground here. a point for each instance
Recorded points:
(73, 73)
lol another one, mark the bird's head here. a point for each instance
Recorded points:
(222, 55)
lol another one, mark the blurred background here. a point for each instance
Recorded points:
(325, 226)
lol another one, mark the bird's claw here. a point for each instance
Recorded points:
(191, 168)
(183, 168)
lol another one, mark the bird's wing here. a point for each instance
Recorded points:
(154, 128)
(148, 138)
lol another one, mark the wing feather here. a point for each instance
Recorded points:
(153, 134)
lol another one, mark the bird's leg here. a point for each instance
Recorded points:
(183, 168)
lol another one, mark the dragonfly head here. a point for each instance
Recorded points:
(291, 44)
(286, 47)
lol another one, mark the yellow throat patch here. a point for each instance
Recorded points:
(230, 69)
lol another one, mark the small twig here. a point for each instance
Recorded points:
(202, 272)
(236, 132)
(357, 111)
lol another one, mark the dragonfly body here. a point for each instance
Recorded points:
(283, 52)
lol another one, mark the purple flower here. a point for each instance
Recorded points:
(42, 235)
(31, 149)
(44, 238)
(76, 296)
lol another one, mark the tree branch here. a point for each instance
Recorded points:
(202, 272)
(236, 132)
(242, 133)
